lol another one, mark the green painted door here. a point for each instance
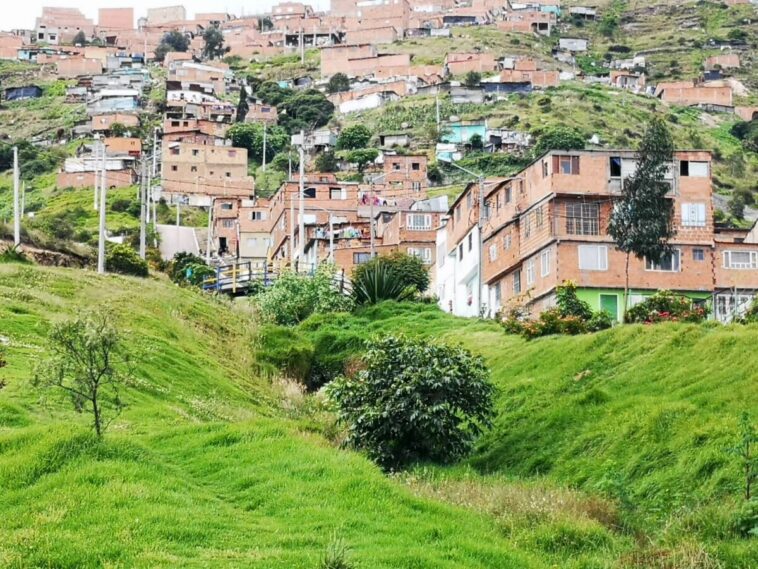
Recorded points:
(610, 304)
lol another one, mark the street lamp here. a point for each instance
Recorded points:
(480, 224)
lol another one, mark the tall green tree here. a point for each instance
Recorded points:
(472, 79)
(242, 106)
(214, 43)
(80, 38)
(353, 137)
(172, 41)
(305, 110)
(250, 136)
(642, 219)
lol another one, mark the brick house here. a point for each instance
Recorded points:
(103, 123)
(406, 175)
(461, 63)
(548, 224)
(115, 19)
(200, 172)
(73, 67)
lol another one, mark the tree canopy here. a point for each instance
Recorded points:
(172, 41)
(353, 137)
(305, 110)
(338, 83)
(250, 136)
(559, 138)
(214, 43)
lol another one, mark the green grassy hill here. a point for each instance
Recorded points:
(203, 469)
(641, 416)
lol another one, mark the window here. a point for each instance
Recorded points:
(517, 282)
(545, 263)
(470, 241)
(498, 294)
(175, 151)
(416, 186)
(530, 272)
(227, 223)
(257, 216)
(418, 221)
(615, 165)
(670, 263)
(415, 166)
(539, 217)
(507, 242)
(460, 252)
(508, 194)
(252, 241)
(568, 164)
(174, 123)
(693, 214)
(228, 174)
(527, 225)
(593, 258)
(232, 154)
(195, 152)
(698, 254)
(423, 253)
(582, 219)
(497, 201)
(360, 258)
(544, 168)
(174, 168)
(227, 206)
(493, 252)
(396, 166)
(335, 193)
(468, 200)
(309, 193)
(193, 168)
(691, 169)
(741, 259)
(458, 213)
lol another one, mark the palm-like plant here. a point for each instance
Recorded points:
(376, 283)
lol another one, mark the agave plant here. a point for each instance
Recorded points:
(378, 282)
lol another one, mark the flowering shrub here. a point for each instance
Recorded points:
(665, 306)
(571, 316)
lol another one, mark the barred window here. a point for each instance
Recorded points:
(582, 219)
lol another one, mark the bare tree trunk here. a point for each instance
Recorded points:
(96, 413)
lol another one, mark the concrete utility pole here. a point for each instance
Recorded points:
(96, 151)
(16, 205)
(264, 146)
(480, 225)
(302, 46)
(143, 209)
(155, 152)
(301, 228)
(102, 204)
(209, 242)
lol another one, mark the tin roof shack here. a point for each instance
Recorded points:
(573, 45)
(80, 172)
(504, 140)
(316, 142)
(583, 13)
(22, 93)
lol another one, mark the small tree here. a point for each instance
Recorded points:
(121, 258)
(338, 83)
(414, 400)
(80, 38)
(172, 41)
(476, 142)
(407, 271)
(559, 138)
(745, 451)
(214, 43)
(473, 79)
(354, 137)
(118, 129)
(89, 363)
(736, 206)
(327, 162)
(641, 221)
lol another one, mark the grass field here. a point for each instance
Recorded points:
(638, 418)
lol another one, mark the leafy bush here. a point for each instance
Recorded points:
(746, 519)
(188, 268)
(125, 260)
(354, 137)
(294, 297)
(414, 401)
(665, 306)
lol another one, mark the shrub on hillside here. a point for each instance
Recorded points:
(125, 260)
(666, 306)
(294, 297)
(571, 316)
(186, 268)
(390, 277)
(413, 401)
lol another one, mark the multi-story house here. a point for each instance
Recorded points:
(197, 173)
(549, 223)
